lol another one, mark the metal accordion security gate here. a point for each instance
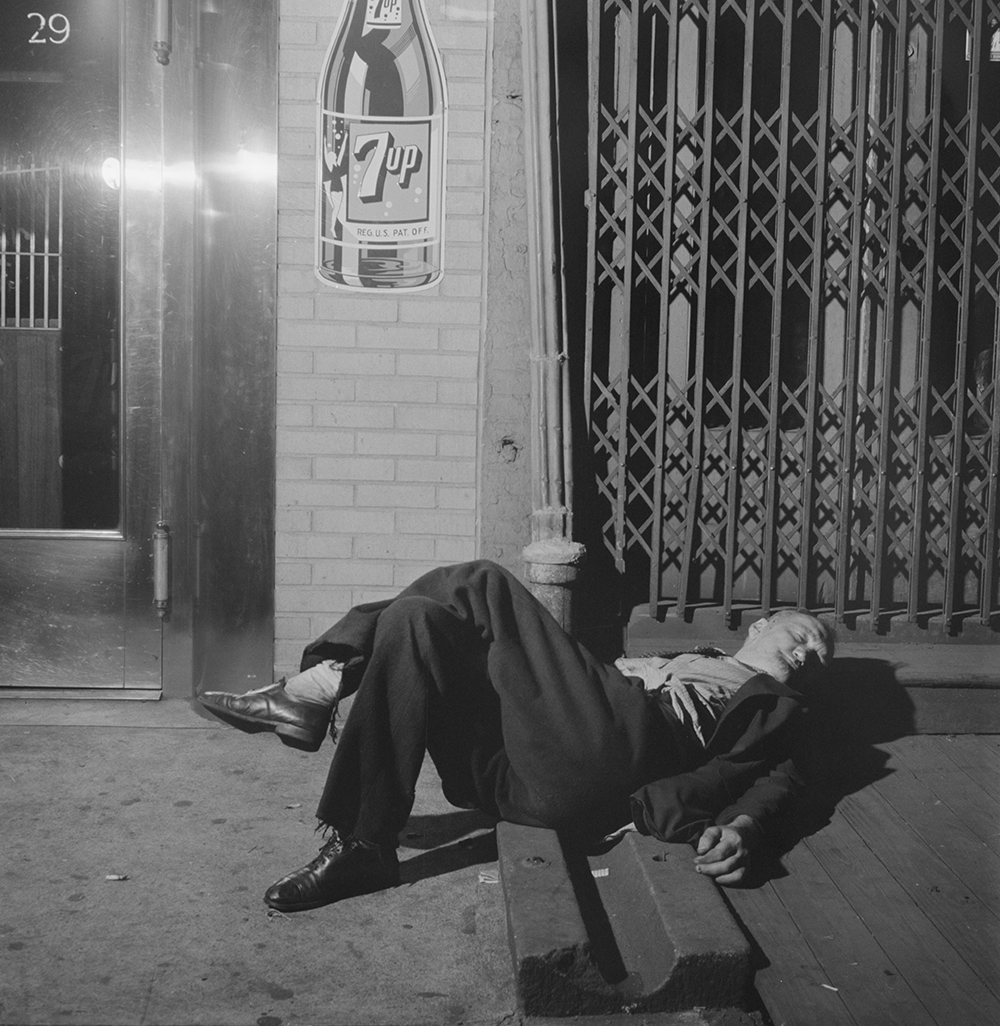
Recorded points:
(791, 377)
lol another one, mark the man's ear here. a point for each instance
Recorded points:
(757, 626)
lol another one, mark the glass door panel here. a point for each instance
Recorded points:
(59, 268)
(74, 546)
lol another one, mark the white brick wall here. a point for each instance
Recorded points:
(378, 396)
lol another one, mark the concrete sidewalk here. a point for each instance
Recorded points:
(200, 819)
(137, 840)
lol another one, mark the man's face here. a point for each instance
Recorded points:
(786, 644)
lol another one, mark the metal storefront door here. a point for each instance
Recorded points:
(80, 231)
(793, 383)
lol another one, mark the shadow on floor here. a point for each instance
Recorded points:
(448, 841)
(858, 705)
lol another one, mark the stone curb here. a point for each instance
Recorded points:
(633, 930)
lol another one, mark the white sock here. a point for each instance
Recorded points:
(319, 684)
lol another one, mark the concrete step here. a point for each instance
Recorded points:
(633, 930)
(932, 684)
(933, 662)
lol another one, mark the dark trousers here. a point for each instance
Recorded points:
(520, 720)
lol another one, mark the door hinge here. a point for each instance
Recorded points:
(161, 568)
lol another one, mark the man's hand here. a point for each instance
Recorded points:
(723, 851)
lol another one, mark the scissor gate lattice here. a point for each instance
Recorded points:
(792, 323)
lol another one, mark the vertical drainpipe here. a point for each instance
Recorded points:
(553, 559)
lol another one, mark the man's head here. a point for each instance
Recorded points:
(790, 642)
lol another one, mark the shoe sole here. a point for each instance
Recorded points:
(305, 906)
(295, 737)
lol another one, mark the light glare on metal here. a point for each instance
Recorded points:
(111, 172)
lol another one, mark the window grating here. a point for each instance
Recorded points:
(792, 313)
(31, 247)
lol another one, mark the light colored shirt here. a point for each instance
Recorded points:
(699, 685)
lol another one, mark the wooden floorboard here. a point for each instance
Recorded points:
(977, 807)
(991, 742)
(894, 902)
(946, 986)
(839, 973)
(792, 983)
(960, 917)
(977, 757)
(953, 841)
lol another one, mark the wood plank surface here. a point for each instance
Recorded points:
(959, 916)
(947, 987)
(847, 956)
(991, 742)
(976, 756)
(791, 982)
(977, 807)
(895, 902)
(945, 834)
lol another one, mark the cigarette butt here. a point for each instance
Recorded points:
(116, 876)
(599, 872)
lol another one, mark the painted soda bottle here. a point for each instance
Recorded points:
(381, 150)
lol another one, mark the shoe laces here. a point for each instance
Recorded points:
(333, 845)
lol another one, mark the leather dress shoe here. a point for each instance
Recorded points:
(299, 724)
(344, 867)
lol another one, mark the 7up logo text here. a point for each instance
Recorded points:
(387, 179)
(383, 158)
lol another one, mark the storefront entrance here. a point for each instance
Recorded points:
(127, 141)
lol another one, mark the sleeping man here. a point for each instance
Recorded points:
(523, 723)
